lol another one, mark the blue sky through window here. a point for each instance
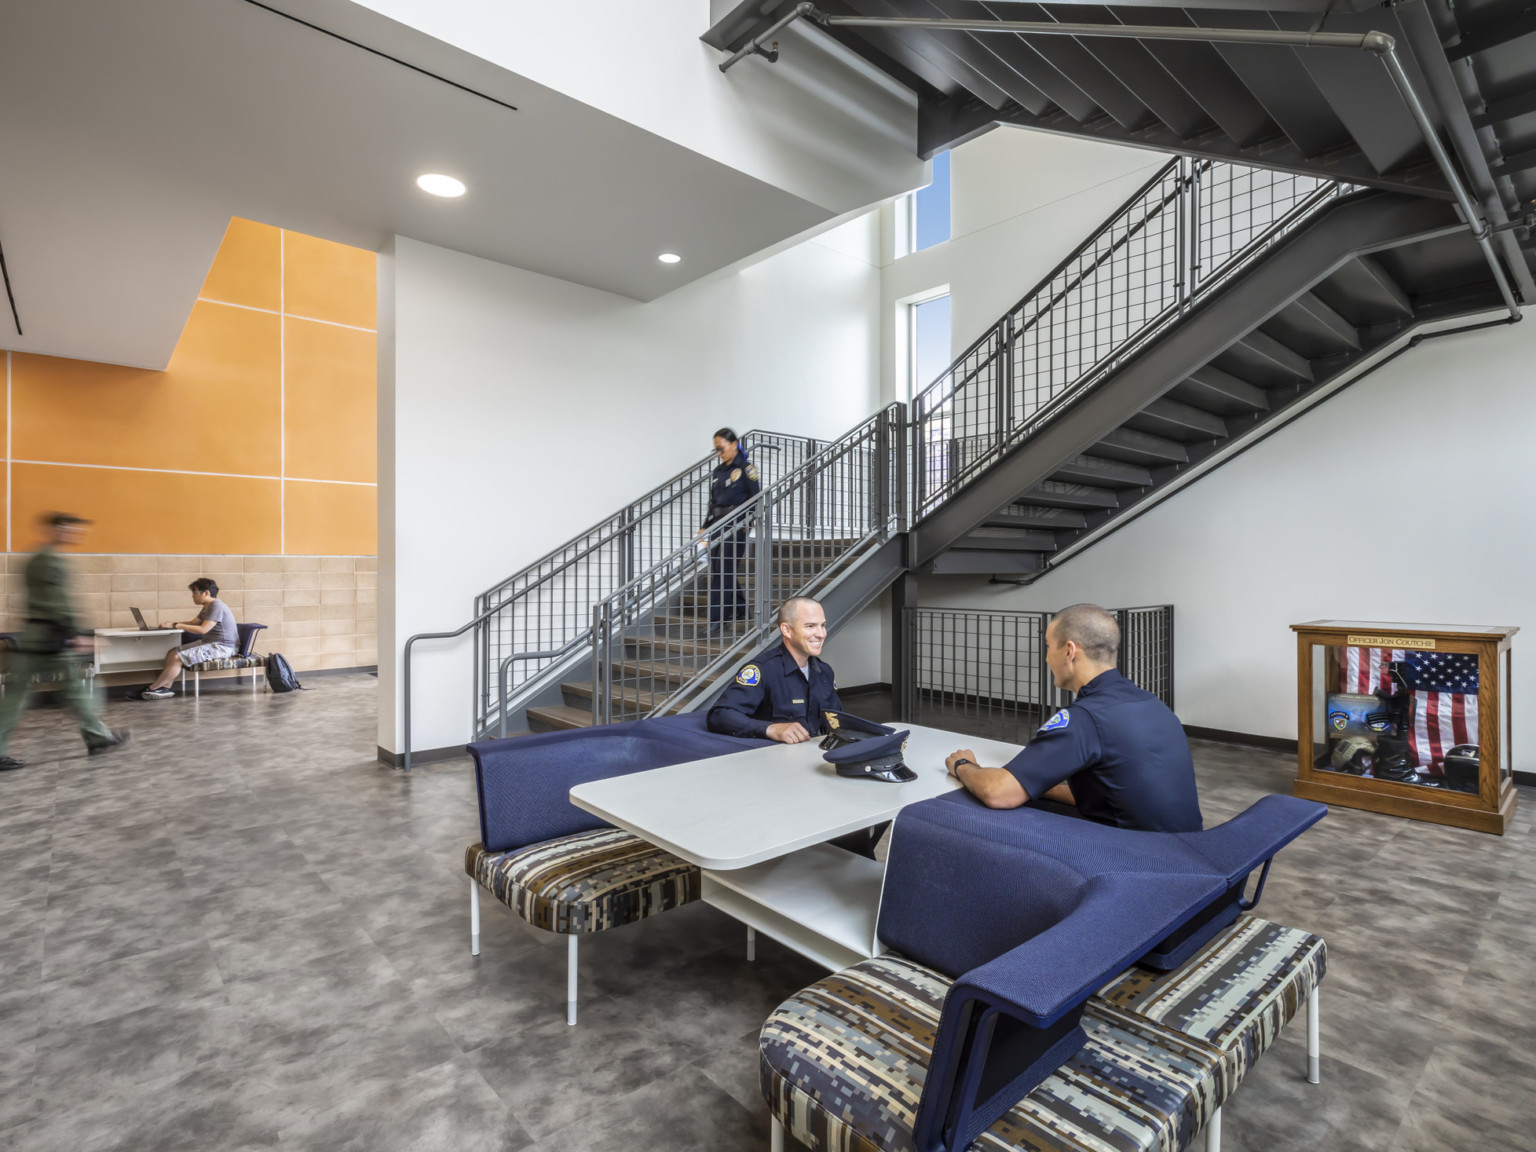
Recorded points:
(933, 206)
(930, 321)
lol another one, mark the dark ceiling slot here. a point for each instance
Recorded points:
(384, 55)
(5, 274)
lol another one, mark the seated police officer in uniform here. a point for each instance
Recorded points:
(733, 482)
(784, 693)
(1116, 755)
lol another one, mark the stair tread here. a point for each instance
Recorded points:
(561, 716)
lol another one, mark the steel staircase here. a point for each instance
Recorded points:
(1218, 303)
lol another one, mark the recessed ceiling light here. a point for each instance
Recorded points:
(440, 185)
(670, 258)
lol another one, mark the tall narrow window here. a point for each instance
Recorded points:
(929, 328)
(922, 217)
(931, 214)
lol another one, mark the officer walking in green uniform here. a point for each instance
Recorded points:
(51, 643)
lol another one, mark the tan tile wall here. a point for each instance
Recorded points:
(320, 611)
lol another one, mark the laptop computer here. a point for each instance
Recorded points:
(139, 619)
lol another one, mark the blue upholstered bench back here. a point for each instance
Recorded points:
(524, 782)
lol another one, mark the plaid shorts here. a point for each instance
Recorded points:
(191, 654)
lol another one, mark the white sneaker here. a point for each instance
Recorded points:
(156, 694)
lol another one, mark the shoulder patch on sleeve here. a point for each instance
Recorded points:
(1060, 720)
(748, 676)
(751, 471)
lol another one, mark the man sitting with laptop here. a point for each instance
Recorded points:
(215, 627)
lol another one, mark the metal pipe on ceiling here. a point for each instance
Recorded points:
(1379, 44)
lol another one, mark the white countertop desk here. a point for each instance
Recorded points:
(757, 822)
(131, 650)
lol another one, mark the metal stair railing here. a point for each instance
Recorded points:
(984, 671)
(529, 625)
(1188, 229)
(652, 649)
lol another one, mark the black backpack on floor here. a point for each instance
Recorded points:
(280, 676)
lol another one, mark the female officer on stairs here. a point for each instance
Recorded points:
(732, 484)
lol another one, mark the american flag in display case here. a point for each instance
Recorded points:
(1444, 688)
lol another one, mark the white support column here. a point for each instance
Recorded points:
(474, 917)
(1213, 1132)
(776, 1135)
(570, 980)
(751, 943)
(1314, 1040)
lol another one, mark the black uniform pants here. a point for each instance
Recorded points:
(727, 601)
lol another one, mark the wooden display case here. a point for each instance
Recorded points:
(1351, 676)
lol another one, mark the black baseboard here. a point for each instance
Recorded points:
(1247, 739)
(1525, 779)
(421, 755)
(864, 689)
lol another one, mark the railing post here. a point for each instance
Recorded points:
(880, 502)
(1004, 384)
(763, 576)
(1194, 227)
(919, 460)
(599, 642)
(810, 492)
(900, 491)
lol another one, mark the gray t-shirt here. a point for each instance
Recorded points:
(223, 630)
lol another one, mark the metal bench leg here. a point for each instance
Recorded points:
(197, 685)
(1314, 1040)
(1213, 1132)
(751, 943)
(570, 980)
(474, 917)
(776, 1135)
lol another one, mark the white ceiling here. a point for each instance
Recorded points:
(131, 132)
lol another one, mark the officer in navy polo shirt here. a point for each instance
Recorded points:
(1116, 755)
(784, 693)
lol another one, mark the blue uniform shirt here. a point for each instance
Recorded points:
(1122, 752)
(771, 689)
(730, 486)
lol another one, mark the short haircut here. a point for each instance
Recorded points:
(203, 584)
(789, 611)
(726, 434)
(1092, 629)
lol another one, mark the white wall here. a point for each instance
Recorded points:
(523, 409)
(1403, 498)
(819, 123)
(1020, 202)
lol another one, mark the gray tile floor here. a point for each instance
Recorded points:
(243, 933)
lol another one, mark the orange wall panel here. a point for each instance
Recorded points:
(159, 512)
(247, 269)
(330, 402)
(215, 409)
(331, 519)
(329, 281)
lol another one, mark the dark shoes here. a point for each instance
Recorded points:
(7, 763)
(120, 736)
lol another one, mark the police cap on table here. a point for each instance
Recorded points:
(873, 753)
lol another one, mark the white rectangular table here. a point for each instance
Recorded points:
(130, 650)
(756, 822)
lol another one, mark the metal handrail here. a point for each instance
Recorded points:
(501, 674)
(1160, 237)
(547, 600)
(826, 511)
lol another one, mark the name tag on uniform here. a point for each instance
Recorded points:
(797, 701)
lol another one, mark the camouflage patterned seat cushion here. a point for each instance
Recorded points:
(842, 1065)
(224, 662)
(585, 882)
(1236, 993)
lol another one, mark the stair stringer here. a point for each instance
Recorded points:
(1341, 232)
